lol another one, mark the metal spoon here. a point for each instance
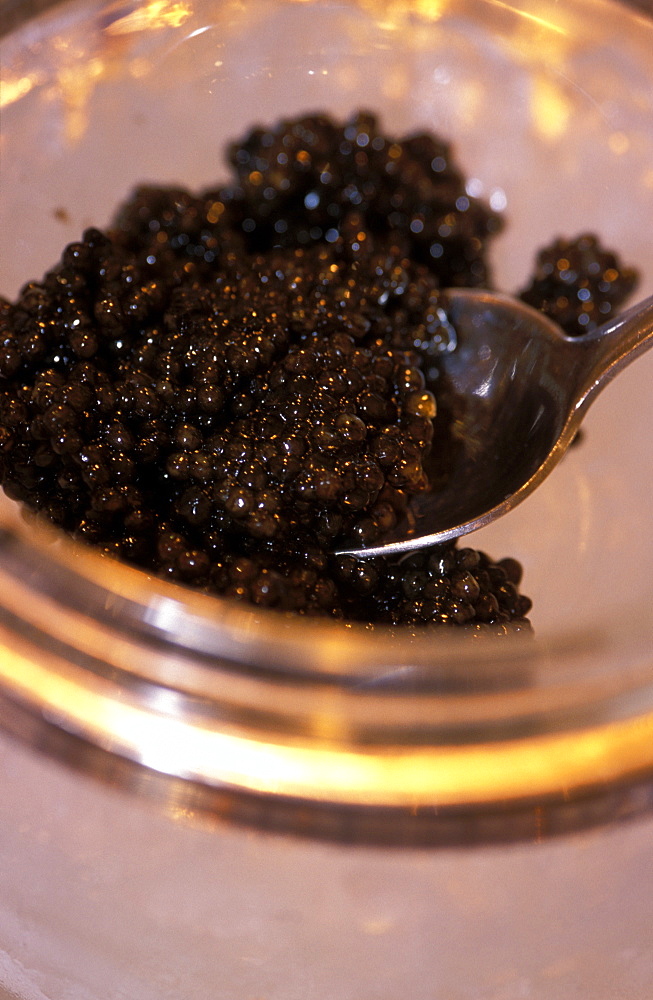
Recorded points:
(525, 387)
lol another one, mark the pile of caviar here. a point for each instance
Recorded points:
(227, 387)
(579, 284)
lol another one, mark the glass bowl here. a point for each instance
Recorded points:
(202, 799)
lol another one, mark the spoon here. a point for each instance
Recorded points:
(525, 387)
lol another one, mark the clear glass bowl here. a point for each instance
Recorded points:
(201, 799)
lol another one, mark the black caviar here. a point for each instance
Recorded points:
(227, 385)
(311, 179)
(579, 284)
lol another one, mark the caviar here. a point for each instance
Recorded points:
(579, 284)
(226, 386)
(309, 179)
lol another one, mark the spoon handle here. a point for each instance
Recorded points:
(612, 346)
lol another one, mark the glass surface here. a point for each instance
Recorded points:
(426, 779)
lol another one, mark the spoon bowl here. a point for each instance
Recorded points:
(522, 388)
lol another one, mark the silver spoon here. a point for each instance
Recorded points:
(525, 387)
